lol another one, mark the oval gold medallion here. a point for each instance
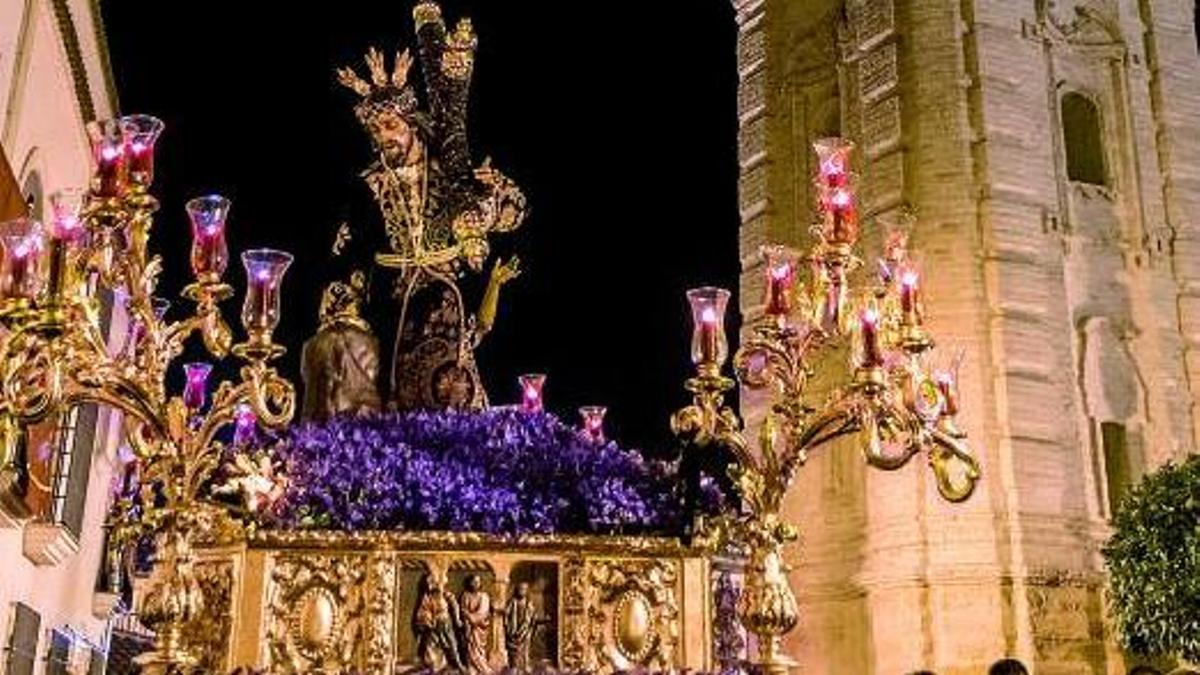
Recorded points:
(634, 618)
(317, 614)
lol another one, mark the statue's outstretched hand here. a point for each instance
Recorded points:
(502, 273)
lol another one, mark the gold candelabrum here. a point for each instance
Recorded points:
(895, 401)
(55, 354)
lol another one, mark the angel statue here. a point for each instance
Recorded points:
(438, 210)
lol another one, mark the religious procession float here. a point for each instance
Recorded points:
(402, 522)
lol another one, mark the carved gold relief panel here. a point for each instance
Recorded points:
(622, 614)
(315, 613)
(209, 636)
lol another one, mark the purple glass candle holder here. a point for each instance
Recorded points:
(593, 422)
(245, 426)
(195, 390)
(264, 274)
(531, 392)
(210, 253)
(141, 132)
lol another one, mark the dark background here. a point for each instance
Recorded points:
(617, 119)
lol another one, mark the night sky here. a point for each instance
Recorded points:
(617, 119)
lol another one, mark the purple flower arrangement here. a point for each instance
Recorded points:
(499, 471)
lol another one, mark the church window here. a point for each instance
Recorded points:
(1084, 140)
(1115, 445)
(33, 191)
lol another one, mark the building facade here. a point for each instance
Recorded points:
(1048, 150)
(54, 78)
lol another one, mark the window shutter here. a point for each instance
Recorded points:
(76, 442)
(97, 662)
(58, 660)
(21, 650)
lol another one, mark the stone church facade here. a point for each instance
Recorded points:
(1049, 151)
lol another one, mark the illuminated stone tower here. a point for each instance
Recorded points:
(1051, 151)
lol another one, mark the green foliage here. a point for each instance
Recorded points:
(1154, 564)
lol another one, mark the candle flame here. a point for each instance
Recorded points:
(708, 315)
(870, 316)
(909, 279)
(841, 198)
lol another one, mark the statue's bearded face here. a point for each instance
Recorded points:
(393, 136)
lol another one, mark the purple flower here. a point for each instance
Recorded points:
(500, 471)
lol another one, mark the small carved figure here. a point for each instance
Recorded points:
(520, 622)
(476, 606)
(340, 364)
(434, 622)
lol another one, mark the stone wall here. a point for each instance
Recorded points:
(1075, 303)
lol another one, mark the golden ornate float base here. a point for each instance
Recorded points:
(304, 602)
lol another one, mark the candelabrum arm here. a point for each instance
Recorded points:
(946, 451)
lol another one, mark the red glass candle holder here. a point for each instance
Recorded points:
(709, 344)
(111, 155)
(840, 207)
(21, 275)
(593, 422)
(195, 389)
(532, 386)
(264, 275)
(945, 385)
(141, 132)
(833, 161)
(66, 208)
(210, 254)
(781, 265)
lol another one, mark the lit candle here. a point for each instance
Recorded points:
(210, 254)
(945, 385)
(531, 392)
(593, 422)
(841, 209)
(66, 230)
(780, 279)
(872, 356)
(20, 267)
(108, 146)
(708, 335)
(141, 133)
(264, 275)
(195, 388)
(909, 297)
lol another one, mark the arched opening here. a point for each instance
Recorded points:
(1083, 139)
(34, 195)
